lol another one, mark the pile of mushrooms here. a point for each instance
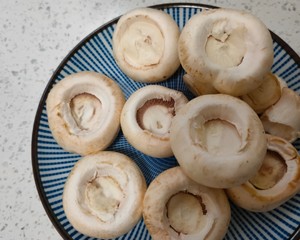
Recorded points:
(233, 140)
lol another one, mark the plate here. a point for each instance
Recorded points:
(51, 164)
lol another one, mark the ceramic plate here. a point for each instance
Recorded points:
(51, 164)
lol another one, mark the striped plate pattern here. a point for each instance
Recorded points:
(51, 164)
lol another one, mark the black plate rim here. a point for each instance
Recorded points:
(42, 195)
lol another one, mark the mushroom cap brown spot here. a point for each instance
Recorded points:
(229, 49)
(103, 195)
(145, 45)
(218, 140)
(146, 119)
(265, 192)
(84, 112)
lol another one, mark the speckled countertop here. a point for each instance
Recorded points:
(35, 35)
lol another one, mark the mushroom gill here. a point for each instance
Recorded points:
(156, 115)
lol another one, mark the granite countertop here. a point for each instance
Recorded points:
(35, 36)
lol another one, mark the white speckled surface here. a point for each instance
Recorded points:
(35, 35)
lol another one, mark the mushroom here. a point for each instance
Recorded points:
(146, 119)
(230, 49)
(277, 181)
(103, 195)
(218, 140)
(84, 112)
(283, 118)
(267, 94)
(176, 207)
(196, 87)
(145, 45)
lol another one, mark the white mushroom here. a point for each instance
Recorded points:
(267, 94)
(218, 140)
(277, 181)
(230, 49)
(176, 207)
(198, 88)
(84, 112)
(103, 195)
(283, 118)
(146, 119)
(145, 45)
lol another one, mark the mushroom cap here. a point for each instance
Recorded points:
(155, 106)
(145, 45)
(252, 198)
(231, 49)
(283, 118)
(267, 94)
(84, 112)
(218, 140)
(103, 195)
(160, 206)
(197, 87)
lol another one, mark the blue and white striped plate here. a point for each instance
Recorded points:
(51, 164)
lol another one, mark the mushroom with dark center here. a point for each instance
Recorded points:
(146, 119)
